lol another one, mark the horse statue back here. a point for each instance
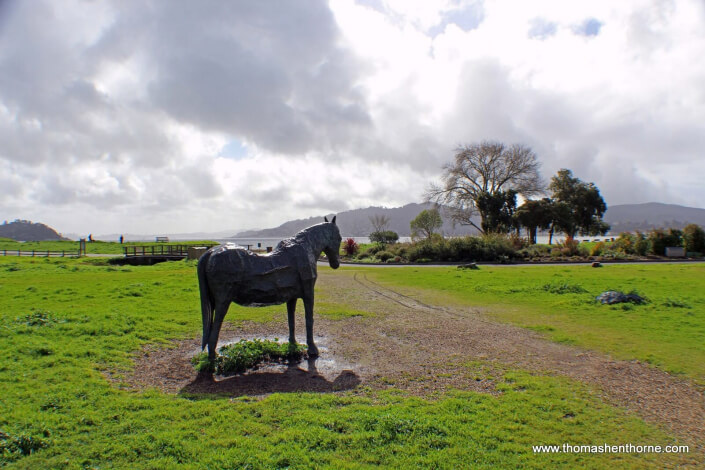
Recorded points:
(230, 273)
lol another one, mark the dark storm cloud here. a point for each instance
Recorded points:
(272, 73)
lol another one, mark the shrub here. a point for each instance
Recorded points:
(641, 245)
(625, 243)
(384, 237)
(384, 255)
(422, 250)
(371, 251)
(597, 249)
(465, 248)
(569, 247)
(694, 238)
(535, 251)
(659, 240)
(350, 247)
(496, 246)
(518, 242)
(485, 248)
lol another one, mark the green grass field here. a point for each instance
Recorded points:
(64, 323)
(668, 332)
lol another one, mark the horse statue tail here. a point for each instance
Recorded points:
(206, 299)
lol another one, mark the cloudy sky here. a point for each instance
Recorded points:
(181, 116)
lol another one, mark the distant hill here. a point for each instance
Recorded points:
(644, 217)
(25, 230)
(356, 223)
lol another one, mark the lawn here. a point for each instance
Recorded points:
(66, 323)
(668, 331)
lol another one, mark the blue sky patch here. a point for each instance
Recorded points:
(589, 27)
(234, 150)
(541, 28)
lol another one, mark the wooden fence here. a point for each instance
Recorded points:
(162, 251)
(41, 253)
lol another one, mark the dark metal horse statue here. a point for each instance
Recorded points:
(230, 273)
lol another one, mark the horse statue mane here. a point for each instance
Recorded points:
(230, 273)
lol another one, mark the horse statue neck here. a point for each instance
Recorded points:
(315, 237)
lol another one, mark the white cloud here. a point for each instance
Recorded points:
(245, 115)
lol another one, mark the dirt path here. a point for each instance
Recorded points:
(423, 348)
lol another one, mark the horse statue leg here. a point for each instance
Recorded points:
(291, 310)
(308, 307)
(221, 308)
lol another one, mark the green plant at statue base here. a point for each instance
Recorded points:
(246, 354)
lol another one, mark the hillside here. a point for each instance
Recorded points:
(622, 218)
(644, 217)
(25, 230)
(356, 223)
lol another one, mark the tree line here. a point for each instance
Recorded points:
(487, 178)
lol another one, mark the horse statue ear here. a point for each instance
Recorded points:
(325, 218)
(333, 221)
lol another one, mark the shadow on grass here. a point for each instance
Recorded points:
(271, 379)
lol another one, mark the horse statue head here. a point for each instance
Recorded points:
(331, 242)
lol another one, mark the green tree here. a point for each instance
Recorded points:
(479, 170)
(426, 223)
(579, 207)
(499, 209)
(385, 237)
(694, 238)
(534, 215)
(660, 240)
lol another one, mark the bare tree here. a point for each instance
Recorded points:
(483, 169)
(379, 222)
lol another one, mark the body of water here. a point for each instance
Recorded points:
(263, 243)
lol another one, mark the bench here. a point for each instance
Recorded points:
(162, 239)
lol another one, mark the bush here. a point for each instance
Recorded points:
(597, 249)
(625, 243)
(422, 250)
(384, 255)
(568, 247)
(518, 242)
(694, 238)
(641, 245)
(485, 248)
(350, 247)
(535, 251)
(659, 240)
(371, 251)
(386, 237)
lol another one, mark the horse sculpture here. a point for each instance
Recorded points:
(230, 273)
